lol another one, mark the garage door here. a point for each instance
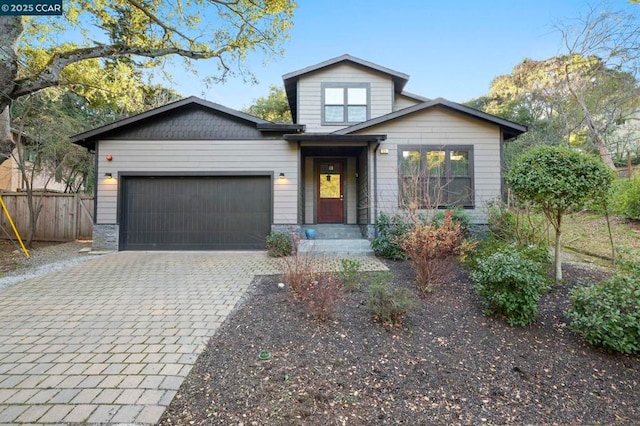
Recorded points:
(195, 213)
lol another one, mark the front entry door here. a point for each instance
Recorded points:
(330, 192)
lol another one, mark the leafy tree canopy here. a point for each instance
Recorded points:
(274, 107)
(558, 180)
(121, 39)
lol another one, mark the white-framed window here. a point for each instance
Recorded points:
(345, 103)
(432, 176)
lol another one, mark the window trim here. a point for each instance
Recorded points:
(345, 105)
(423, 171)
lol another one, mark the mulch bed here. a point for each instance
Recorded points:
(447, 364)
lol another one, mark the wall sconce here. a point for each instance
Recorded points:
(109, 157)
(281, 176)
(108, 175)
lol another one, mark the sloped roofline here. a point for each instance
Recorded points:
(414, 96)
(400, 79)
(511, 129)
(88, 139)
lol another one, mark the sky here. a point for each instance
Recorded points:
(450, 49)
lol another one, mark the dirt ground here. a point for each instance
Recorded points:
(448, 364)
(10, 256)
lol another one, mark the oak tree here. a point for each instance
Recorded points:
(98, 47)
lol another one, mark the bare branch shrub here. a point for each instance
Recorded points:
(433, 249)
(308, 281)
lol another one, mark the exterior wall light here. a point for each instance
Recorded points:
(108, 175)
(281, 176)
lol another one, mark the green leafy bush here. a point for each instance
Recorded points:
(510, 285)
(389, 305)
(279, 244)
(625, 199)
(608, 313)
(538, 253)
(458, 215)
(350, 276)
(390, 231)
(518, 225)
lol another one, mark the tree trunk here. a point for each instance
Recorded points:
(557, 263)
(597, 137)
(10, 31)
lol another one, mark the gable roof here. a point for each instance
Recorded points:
(291, 79)
(509, 128)
(88, 139)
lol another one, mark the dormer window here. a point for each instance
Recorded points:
(345, 103)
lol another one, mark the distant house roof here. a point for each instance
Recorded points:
(291, 79)
(510, 129)
(88, 139)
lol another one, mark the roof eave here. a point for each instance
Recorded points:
(510, 128)
(334, 138)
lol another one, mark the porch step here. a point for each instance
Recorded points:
(336, 247)
(335, 231)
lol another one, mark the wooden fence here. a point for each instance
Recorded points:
(64, 217)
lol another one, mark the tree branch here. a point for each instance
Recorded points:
(167, 29)
(50, 75)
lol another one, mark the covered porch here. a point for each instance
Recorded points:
(338, 180)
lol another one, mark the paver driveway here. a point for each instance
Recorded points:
(111, 340)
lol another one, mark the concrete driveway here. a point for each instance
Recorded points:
(111, 340)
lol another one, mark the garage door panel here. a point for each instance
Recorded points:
(195, 213)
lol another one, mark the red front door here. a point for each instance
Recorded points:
(330, 192)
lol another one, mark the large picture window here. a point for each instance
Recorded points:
(345, 103)
(436, 176)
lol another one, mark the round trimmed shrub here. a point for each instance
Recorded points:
(510, 285)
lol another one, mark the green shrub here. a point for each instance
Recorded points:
(458, 215)
(607, 313)
(390, 231)
(625, 199)
(350, 276)
(279, 244)
(389, 305)
(518, 225)
(538, 253)
(510, 285)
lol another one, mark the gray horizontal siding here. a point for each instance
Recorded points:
(309, 94)
(199, 156)
(440, 127)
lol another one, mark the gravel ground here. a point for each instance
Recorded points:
(45, 258)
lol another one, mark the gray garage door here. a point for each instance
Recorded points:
(195, 213)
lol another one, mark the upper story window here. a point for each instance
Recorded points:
(345, 103)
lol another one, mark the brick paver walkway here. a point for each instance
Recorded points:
(112, 339)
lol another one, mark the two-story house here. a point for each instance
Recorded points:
(197, 175)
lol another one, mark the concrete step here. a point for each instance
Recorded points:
(335, 231)
(336, 247)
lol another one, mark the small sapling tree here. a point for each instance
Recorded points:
(558, 180)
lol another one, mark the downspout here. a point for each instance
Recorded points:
(95, 183)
